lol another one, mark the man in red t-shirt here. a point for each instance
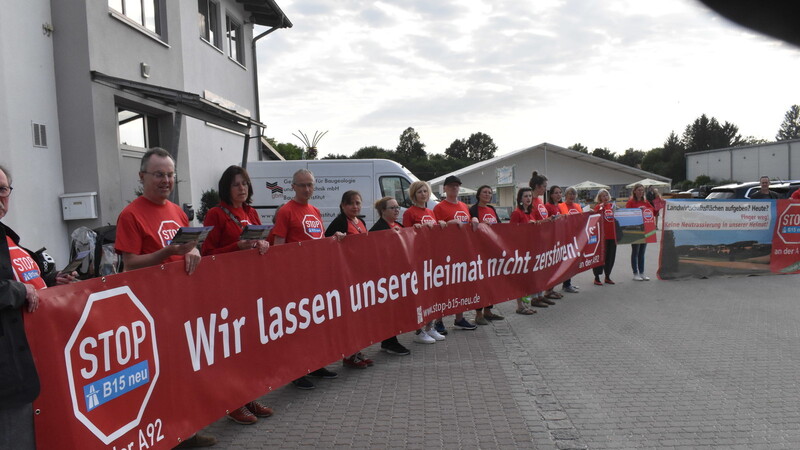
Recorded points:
(453, 211)
(298, 221)
(146, 226)
(145, 229)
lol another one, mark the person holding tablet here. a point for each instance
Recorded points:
(229, 219)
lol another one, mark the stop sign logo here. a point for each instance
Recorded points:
(789, 224)
(592, 233)
(112, 363)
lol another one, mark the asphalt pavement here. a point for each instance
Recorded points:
(687, 364)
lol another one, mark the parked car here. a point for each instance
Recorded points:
(694, 193)
(745, 190)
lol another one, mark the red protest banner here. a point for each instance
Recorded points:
(145, 358)
(649, 221)
(785, 256)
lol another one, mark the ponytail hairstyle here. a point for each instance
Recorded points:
(537, 180)
(520, 193)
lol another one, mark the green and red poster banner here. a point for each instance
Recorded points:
(636, 226)
(786, 241)
(706, 238)
(145, 358)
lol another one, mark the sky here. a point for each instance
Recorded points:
(614, 74)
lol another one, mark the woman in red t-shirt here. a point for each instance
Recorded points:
(485, 213)
(605, 207)
(349, 222)
(538, 185)
(418, 215)
(229, 219)
(637, 200)
(521, 215)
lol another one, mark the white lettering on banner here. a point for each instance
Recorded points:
(202, 342)
(558, 254)
(284, 321)
(718, 215)
(379, 292)
(138, 335)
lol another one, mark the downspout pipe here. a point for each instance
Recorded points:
(255, 85)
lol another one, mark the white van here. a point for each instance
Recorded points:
(372, 178)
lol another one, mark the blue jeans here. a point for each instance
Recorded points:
(637, 257)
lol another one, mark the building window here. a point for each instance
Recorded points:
(136, 129)
(142, 12)
(208, 13)
(39, 135)
(235, 44)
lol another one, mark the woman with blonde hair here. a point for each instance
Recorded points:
(604, 205)
(418, 215)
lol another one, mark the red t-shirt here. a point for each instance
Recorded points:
(571, 208)
(296, 222)
(487, 215)
(144, 227)
(552, 210)
(224, 237)
(356, 229)
(415, 215)
(24, 267)
(609, 225)
(539, 210)
(519, 216)
(640, 204)
(447, 211)
(796, 195)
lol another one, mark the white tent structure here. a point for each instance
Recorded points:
(589, 186)
(647, 182)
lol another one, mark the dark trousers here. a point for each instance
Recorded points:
(637, 257)
(16, 427)
(611, 255)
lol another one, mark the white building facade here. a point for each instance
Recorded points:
(779, 160)
(88, 86)
(561, 166)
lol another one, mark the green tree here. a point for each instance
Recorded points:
(701, 180)
(374, 152)
(631, 158)
(336, 156)
(653, 161)
(480, 147)
(287, 150)
(578, 147)
(790, 128)
(708, 134)
(410, 147)
(458, 150)
(604, 153)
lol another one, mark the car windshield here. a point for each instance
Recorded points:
(720, 195)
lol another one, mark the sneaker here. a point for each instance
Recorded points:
(481, 321)
(395, 348)
(464, 324)
(440, 328)
(435, 334)
(242, 416)
(198, 440)
(644, 277)
(303, 383)
(324, 373)
(354, 362)
(493, 316)
(361, 356)
(570, 289)
(637, 277)
(423, 338)
(258, 409)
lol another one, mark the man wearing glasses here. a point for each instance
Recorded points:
(145, 229)
(298, 221)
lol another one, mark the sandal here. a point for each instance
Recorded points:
(553, 295)
(526, 311)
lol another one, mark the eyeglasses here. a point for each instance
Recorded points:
(162, 175)
(5, 191)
